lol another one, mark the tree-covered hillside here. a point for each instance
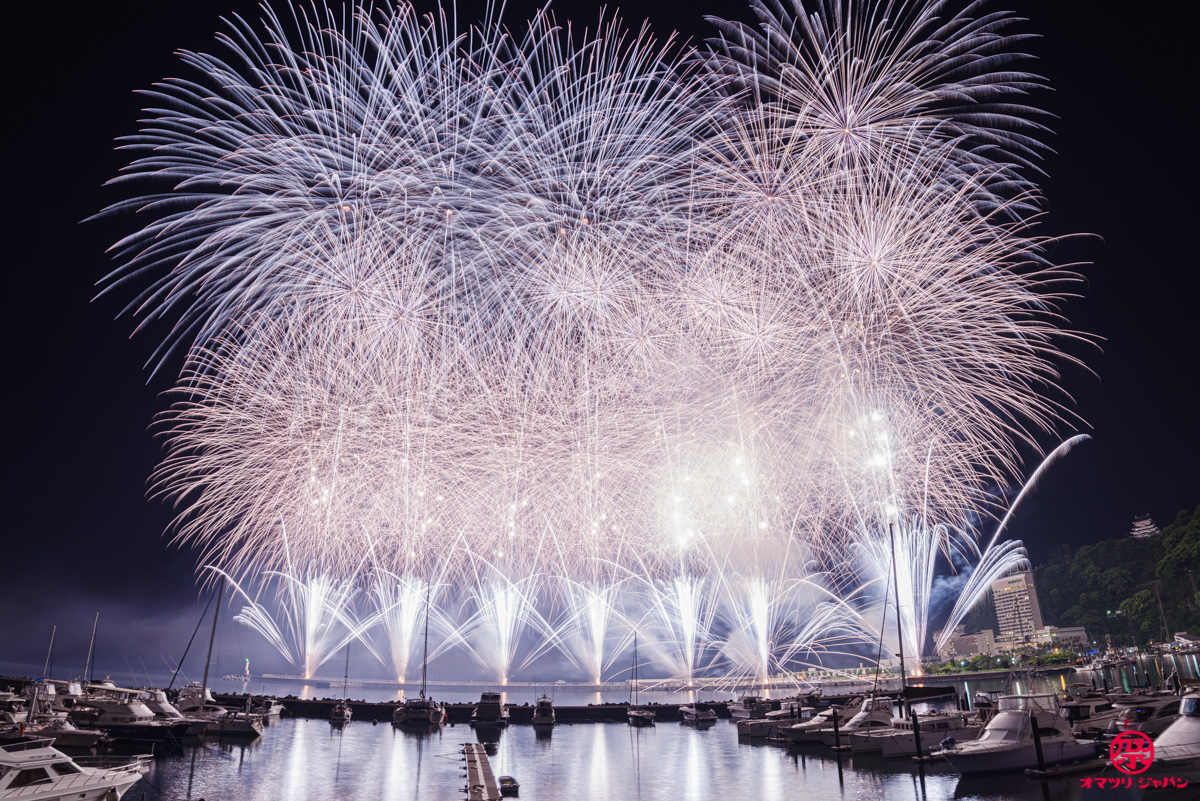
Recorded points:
(1113, 586)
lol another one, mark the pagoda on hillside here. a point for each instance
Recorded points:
(1144, 528)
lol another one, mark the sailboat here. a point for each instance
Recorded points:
(638, 715)
(421, 711)
(198, 703)
(341, 711)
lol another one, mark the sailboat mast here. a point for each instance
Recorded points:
(635, 668)
(211, 638)
(346, 676)
(49, 654)
(899, 623)
(87, 668)
(425, 655)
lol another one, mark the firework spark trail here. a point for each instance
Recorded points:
(569, 325)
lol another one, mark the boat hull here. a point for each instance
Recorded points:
(970, 761)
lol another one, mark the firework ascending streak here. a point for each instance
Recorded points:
(593, 333)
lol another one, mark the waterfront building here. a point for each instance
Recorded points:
(968, 645)
(1017, 610)
(1073, 638)
(1144, 528)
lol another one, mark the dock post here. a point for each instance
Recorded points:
(1037, 741)
(837, 738)
(916, 724)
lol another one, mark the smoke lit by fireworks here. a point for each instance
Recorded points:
(564, 337)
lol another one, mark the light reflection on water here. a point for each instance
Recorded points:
(310, 759)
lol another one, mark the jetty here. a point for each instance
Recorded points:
(481, 782)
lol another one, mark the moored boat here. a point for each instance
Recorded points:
(875, 714)
(421, 711)
(697, 713)
(791, 711)
(1088, 715)
(809, 731)
(33, 769)
(1149, 714)
(901, 741)
(543, 712)
(635, 714)
(749, 707)
(1179, 745)
(491, 711)
(1007, 742)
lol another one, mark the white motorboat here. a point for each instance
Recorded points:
(156, 701)
(491, 711)
(1179, 744)
(809, 731)
(197, 702)
(12, 709)
(750, 707)
(119, 712)
(875, 714)
(697, 713)
(268, 708)
(1007, 742)
(791, 711)
(57, 728)
(543, 712)
(1090, 714)
(900, 741)
(33, 770)
(1149, 714)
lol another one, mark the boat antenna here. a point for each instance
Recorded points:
(346, 675)
(195, 631)
(425, 655)
(49, 655)
(211, 638)
(89, 666)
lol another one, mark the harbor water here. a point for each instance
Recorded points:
(309, 759)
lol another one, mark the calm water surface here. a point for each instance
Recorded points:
(302, 759)
(310, 759)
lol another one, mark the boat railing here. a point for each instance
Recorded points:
(28, 745)
(106, 762)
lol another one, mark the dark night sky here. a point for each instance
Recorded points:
(79, 534)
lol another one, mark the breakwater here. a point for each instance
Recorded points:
(461, 713)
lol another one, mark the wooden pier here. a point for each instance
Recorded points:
(481, 782)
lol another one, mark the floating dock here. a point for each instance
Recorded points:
(481, 782)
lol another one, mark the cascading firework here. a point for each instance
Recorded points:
(595, 334)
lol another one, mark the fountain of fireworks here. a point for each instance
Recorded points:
(315, 616)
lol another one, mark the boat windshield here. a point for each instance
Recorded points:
(1190, 705)
(1026, 703)
(877, 703)
(1010, 730)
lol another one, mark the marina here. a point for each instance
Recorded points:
(589, 751)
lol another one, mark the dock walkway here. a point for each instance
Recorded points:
(481, 783)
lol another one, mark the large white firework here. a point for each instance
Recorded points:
(598, 335)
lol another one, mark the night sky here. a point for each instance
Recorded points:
(80, 536)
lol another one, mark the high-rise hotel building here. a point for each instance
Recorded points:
(1017, 609)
